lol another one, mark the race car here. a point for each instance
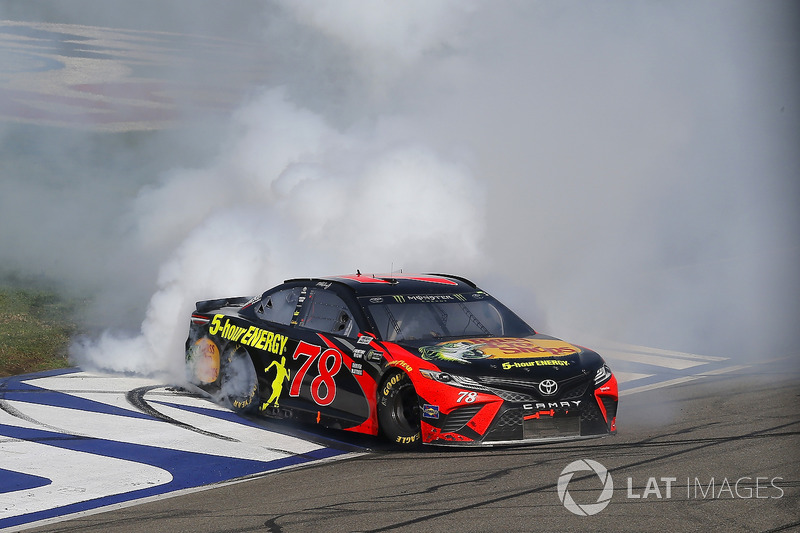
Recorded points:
(427, 358)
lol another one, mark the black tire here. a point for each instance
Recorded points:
(398, 410)
(238, 381)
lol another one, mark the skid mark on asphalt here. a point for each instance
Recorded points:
(73, 443)
(136, 398)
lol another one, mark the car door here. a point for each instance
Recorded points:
(319, 373)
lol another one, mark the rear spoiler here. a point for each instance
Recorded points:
(208, 305)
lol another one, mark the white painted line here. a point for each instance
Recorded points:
(73, 443)
(625, 377)
(658, 351)
(655, 360)
(725, 370)
(662, 384)
(74, 476)
(250, 441)
(181, 492)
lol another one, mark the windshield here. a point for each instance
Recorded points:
(425, 317)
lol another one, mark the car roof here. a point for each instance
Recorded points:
(389, 284)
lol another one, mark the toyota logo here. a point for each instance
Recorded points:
(548, 387)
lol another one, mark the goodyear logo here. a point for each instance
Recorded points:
(401, 364)
(391, 383)
(260, 339)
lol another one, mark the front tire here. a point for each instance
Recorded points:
(238, 381)
(398, 410)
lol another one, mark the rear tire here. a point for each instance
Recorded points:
(398, 410)
(238, 381)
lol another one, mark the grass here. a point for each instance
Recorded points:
(36, 326)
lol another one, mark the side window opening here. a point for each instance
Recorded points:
(278, 306)
(325, 311)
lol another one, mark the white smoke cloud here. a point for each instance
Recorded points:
(627, 172)
(386, 39)
(289, 196)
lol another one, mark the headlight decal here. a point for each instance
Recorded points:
(603, 374)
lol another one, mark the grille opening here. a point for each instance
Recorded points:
(459, 418)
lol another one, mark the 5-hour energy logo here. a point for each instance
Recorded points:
(655, 488)
(258, 338)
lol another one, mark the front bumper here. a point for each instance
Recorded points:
(522, 417)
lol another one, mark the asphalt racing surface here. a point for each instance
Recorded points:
(719, 451)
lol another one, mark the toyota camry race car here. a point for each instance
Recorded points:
(422, 358)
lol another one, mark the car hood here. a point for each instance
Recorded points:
(520, 357)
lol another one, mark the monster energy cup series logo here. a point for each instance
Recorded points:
(585, 465)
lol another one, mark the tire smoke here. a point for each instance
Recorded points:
(625, 173)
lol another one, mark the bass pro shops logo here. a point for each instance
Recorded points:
(585, 465)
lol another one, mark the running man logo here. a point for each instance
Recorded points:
(281, 375)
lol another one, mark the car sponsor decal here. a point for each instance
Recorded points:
(203, 360)
(421, 298)
(252, 300)
(537, 362)
(282, 375)
(255, 337)
(498, 348)
(435, 298)
(402, 364)
(460, 352)
(430, 411)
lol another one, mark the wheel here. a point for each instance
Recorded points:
(398, 410)
(202, 362)
(238, 381)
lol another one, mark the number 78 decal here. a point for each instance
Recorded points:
(328, 365)
(467, 397)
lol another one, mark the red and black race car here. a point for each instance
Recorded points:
(417, 358)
